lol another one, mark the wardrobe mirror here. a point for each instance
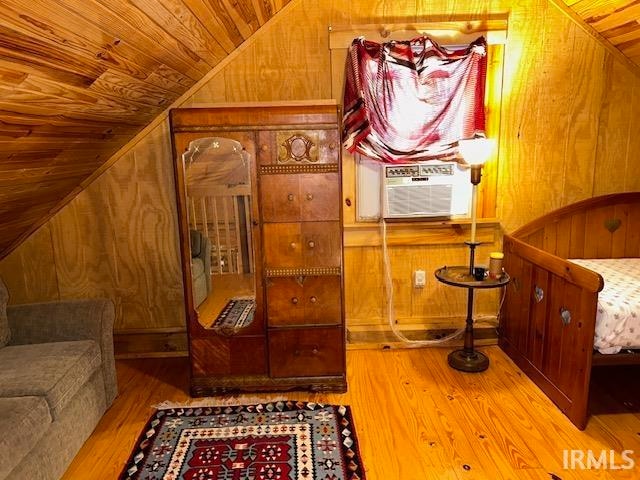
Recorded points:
(218, 204)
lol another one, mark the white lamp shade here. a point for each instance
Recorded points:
(475, 151)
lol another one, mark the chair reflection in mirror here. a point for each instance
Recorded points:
(218, 191)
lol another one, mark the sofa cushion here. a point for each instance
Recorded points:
(23, 421)
(196, 242)
(197, 267)
(5, 333)
(55, 371)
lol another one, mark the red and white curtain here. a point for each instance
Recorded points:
(413, 100)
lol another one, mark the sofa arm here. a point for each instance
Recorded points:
(68, 320)
(206, 260)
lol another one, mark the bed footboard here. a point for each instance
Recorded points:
(547, 325)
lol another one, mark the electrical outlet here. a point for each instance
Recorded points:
(419, 279)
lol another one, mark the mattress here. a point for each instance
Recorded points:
(618, 317)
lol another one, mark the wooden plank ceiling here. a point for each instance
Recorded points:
(617, 21)
(79, 78)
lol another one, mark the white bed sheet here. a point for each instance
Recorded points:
(618, 317)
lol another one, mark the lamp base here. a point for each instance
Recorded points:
(468, 361)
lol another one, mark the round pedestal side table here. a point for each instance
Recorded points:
(468, 359)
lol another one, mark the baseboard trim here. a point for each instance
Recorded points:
(377, 338)
(165, 343)
(158, 343)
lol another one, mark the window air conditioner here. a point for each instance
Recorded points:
(431, 189)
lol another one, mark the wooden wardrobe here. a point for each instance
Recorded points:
(297, 336)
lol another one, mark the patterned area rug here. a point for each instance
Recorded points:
(237, 314)
(270, 441)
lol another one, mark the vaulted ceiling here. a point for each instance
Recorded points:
(79, 78)
(616, 21)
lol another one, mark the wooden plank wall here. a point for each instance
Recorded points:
(566, 133)
(117, 239)
(417, 246)
(80, 78)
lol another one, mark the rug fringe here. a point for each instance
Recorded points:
(218, 402)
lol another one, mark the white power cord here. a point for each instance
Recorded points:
(490, 318)
(390, 308)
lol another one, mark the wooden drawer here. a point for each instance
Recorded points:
(298, 147)
(306, 352)
(300, 197)
(307, 244)
(304, 301)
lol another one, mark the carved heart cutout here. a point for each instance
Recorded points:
(612, 224)
(538, 294)
(565, 315)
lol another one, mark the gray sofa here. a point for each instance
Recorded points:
(200, 266)
(57, 378)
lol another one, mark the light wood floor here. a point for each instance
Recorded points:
(415, 418)
(224, 288)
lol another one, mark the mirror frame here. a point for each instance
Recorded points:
(186, 125)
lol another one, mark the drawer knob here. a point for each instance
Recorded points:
(315, 350)
(309, 196)
(264, 147)
(312, 244)
(313, 299)
(292, 245)
(290, 197)
(294, 300)
(332, 146)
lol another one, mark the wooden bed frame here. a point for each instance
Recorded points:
(548, 319)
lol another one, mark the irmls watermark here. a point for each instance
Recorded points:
(598, 460)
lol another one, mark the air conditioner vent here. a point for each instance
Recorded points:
(425, 190)
(423, 200)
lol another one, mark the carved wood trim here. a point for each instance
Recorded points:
(205, 386)
(297, 272)
(298, 168)
(297, 146)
